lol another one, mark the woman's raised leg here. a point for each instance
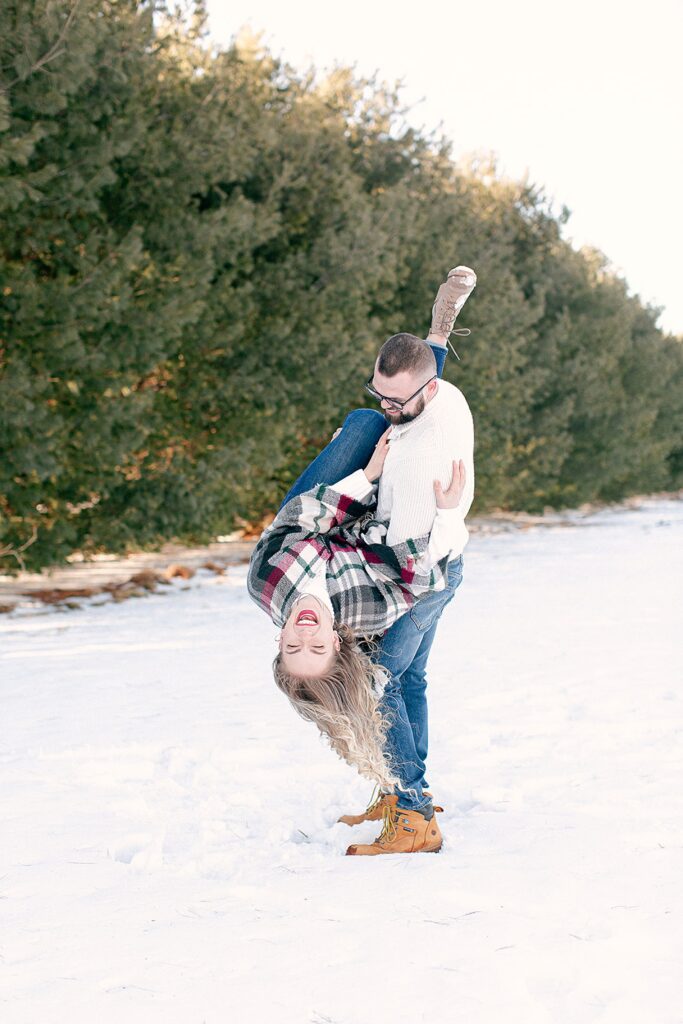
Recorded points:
(350, 450)
(353, 446)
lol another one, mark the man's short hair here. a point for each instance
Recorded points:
(405, 352)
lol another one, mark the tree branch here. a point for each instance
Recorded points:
(10, 552)
(52, 53)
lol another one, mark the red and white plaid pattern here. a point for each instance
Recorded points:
(370, 585)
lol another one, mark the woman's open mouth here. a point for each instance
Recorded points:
(306, 617)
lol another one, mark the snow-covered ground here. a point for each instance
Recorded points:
(169, 847)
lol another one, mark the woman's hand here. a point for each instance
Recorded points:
(450, 498)
(373, 470)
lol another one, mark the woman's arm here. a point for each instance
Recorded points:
(319, 510)
(325, 508)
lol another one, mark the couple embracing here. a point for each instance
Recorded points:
(360, 562)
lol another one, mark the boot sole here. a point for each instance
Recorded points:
(340, 821)
(353, 853)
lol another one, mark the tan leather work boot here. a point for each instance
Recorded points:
(437, 807)
(373, 812)
(450, 298)
(403, 832)
(375, 809)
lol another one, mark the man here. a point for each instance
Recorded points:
(432, 438)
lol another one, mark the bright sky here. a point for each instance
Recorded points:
(586, 97)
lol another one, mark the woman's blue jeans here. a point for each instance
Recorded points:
(404, 649)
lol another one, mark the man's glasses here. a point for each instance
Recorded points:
(394, 402)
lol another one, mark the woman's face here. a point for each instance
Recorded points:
(308, 642)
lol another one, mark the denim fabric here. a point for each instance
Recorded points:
(404, 651)
(440, 353)
(351, 450)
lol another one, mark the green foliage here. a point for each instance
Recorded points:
(201, 253)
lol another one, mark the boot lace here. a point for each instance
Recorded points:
(389, 830)
(375, 799)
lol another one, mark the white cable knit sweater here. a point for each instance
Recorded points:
(421, 452)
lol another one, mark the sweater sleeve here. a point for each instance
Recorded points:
(356, 486)
(448, 538)
(319, 510)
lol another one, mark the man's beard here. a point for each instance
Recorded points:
(406, 417)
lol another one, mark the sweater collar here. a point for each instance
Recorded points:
(430, 410)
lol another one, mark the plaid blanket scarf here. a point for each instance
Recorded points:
(370, 585)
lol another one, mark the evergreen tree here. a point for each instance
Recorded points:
(201, 254)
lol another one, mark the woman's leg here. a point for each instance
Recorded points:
(440, 353)
(351, 450)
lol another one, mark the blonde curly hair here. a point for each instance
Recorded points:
(344, 704)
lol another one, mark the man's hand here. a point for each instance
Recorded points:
(450, 498)
(373, 470)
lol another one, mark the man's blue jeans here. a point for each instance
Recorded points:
(404, 649)
(403, 652)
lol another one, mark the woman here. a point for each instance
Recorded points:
(324, 576)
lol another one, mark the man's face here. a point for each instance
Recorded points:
(401, 386)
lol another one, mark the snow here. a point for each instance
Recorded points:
(170, 851)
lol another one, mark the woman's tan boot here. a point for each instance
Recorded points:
(450, 298)
(403, 832)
